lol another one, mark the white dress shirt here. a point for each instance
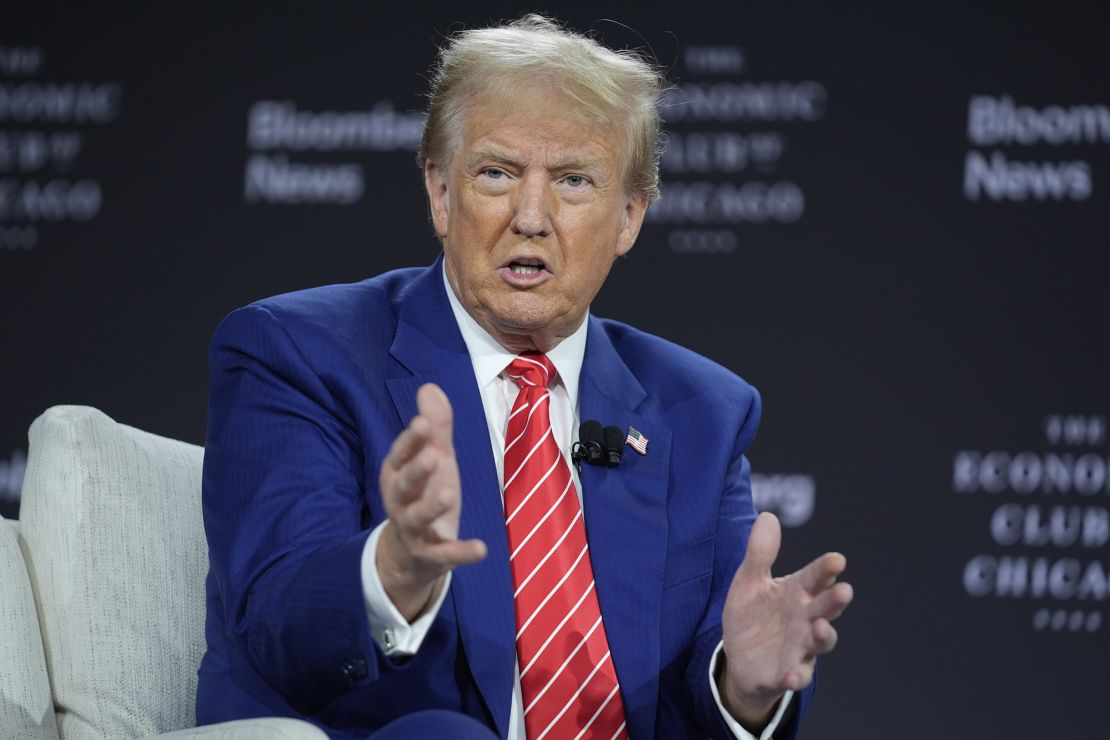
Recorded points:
(393, 633)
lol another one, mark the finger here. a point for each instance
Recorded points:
(408, 443)
(831, 602)
(763, 547)
(459, 552)
(823, 638)
(436, 408)
(444, 556)
(408, 484)
(416, 518)
(798, 678)
(822, 572)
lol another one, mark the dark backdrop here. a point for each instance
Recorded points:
(894, 223)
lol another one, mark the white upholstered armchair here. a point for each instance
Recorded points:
(102, 589)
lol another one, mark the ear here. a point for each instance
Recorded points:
(435, 182)
(635, 208)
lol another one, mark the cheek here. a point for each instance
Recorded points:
(483, 212)
(467, 236)
(588, 279)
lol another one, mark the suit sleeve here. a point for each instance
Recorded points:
(736, 515)
(286, 516)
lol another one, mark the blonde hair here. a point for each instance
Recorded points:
(617, 88)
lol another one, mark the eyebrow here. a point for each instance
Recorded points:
(494, 155)
(573, 161)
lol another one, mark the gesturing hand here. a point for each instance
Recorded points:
(423, 498)
(774, 628)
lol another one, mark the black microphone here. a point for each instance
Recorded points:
(588, 447)
(614, 446)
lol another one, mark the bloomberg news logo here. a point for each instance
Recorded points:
(1001, 123)
(1049, 526)
(293, 150)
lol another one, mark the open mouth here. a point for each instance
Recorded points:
(526, 266)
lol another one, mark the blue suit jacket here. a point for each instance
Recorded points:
(308, 391)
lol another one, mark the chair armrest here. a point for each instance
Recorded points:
(266, 728)
(26, 706)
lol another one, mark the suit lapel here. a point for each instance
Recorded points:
(626, 523)
(428, 343)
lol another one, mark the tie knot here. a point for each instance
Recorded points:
(531, 369)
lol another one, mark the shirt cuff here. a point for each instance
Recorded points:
(393, 633)
(737, 729)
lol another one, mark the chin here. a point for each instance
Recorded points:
(517, 326)
(524, 314)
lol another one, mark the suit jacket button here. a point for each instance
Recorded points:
(354, 670)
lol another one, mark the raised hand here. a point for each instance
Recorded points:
(423, 498)
(774, 628)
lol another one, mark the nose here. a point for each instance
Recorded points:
(532, 210)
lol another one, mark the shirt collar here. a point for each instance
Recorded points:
(490, 358)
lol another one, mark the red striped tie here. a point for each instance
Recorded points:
(567, 677)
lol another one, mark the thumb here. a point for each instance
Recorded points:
(763, 547)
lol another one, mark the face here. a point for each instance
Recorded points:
(532, 213)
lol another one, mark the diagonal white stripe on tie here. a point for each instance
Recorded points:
(523, 501)
(543, 519)
(553, 591)
(570, 702)
(552, 551)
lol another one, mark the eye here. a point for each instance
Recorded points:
(493, 173)
(576, 181)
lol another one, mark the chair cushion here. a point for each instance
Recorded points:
(111, 523)
(26, 710)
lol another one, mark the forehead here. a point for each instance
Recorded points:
(535, 121)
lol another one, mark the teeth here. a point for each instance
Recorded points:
(524, 269)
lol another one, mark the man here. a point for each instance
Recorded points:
(394, 526)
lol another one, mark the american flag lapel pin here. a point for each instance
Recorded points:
(636, 441)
